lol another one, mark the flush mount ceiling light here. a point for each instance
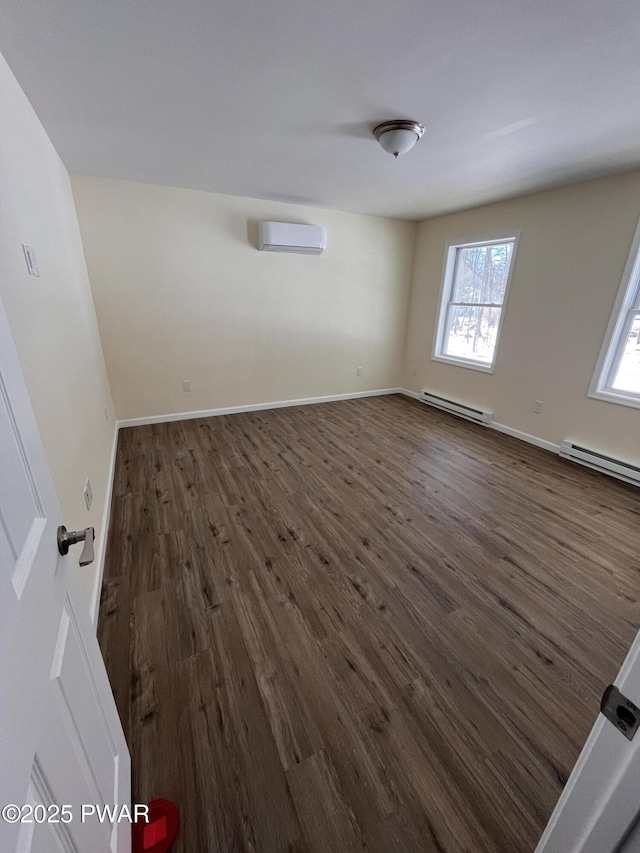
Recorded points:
(398, 136)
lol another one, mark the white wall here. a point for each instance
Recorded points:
(573, 248)
(182, 293)
(52, 317)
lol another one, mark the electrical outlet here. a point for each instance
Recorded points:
(537, 407)
(358, 371)
(415, 370)
(88, 494)
(106, 414)
(186, 385)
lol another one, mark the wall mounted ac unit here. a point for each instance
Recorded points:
(285, 237)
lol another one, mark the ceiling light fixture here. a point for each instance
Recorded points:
(398, 136)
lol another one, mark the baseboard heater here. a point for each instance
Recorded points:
(462, 411)
(600, 462)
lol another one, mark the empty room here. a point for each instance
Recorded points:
(319, 427)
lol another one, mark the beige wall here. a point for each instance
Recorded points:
(52, 317)
(182, 293)
(573, 248)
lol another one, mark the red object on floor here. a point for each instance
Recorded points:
(158, 835)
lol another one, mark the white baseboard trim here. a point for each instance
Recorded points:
(255, 407)
(525, 436)
(94, 607)
(507, 430)
(407, 393)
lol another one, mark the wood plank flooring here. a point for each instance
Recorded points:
(363, 625)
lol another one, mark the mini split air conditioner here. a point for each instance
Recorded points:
(285, 237)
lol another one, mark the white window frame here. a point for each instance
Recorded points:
(617, 333)
(448, 273)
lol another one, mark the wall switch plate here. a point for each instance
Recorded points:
(88, 494)
(30, 258)
(537, 407)
(186, 385)
(358, 371)
(415, 370)
(106, 414)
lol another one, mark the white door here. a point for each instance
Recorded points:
(601, 800)
(61, 742)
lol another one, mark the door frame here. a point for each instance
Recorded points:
(602, 783)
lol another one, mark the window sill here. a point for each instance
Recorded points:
(614, 397)
(460, 362)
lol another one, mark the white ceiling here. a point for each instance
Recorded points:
(277, 98)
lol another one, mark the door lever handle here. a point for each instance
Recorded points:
(71, 537)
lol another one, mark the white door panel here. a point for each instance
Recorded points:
(24, 506)
(22, 515)
(61, 742)
(7, 555)
(80, 708)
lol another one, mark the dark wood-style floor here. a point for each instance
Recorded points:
(360, 625)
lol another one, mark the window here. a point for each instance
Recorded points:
(474, 292)
(617, 376)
